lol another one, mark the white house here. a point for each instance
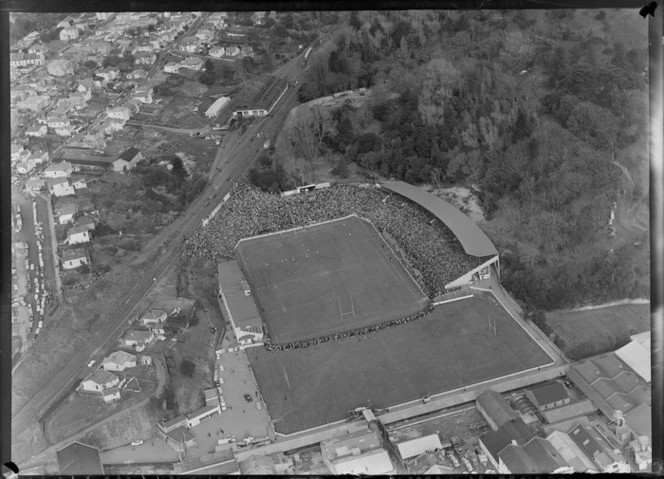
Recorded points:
(171, 67)
(108, 74)
(63, 169)
(217, 52)
(145, 58)
(25, 167)
(205, 35)
(144, 95)
(137, 74)
(192, 63)
(65, 213)
(38, 157)
(127, 160)
(232, 51)
(119, 113)
(138, 339)
(57, 122)
(154, 316)
(60, 187)
(79, 184)
(119, 361)
(37, 130)
(190, 44)
(77, 235)
(111, 394)
(420, 445)
(68, 33)
(99, 380)
(73, 258)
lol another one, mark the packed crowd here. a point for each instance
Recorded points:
(428, 245)
(345, 334)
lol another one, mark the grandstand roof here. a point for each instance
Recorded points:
(474, 241)
(242, 307)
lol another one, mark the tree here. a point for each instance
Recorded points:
(355, 21)
(518, 50)
(403, 53)
(207, 77)
(187, 368)
(309, 131)
(209, 65)
(441, 79)
(594, 124)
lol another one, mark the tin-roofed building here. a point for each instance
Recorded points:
(420, 445)
(607, 457)
(79, 459)
(537, 456)
(513, 432)
(572, 454)
(636, 354)
(548, 395)
(495, 409)
(240, 307)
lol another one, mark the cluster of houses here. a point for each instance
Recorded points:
(153, 319)
(107, 384)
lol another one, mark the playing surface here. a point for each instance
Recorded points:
(326, 279)
(450, 348)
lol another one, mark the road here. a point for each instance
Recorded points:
(238, 158)
(626, 206)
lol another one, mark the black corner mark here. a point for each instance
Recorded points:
(9, 470)
(648, 9)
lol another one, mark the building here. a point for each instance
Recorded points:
(232, 51)
(239, 304)
(86, 222)
(57, 121)
(192, 63)
(38, 49)
(127, 160)
(636, 354)
(74, 258)
(357, 453)
(205, 35)
(176, 434)
(265, 100)
(537, 456)
(146, 360)
(60, 187)
(247, 51)
(642, 449)
(568, 411)
(68, 33)
(145, 58)
(25, 167)
(138, 339)
(78, 235)
(17, 60)
(217, 52)
(65, 213)
(171, 67)
(512, 432)
(495, 409)
(34, 184)
(569, 451)
(217, 106)
(420, 445)
(258, 465)
(37, 130)
(108, 74)
(79, 184)
(211, 397)
(548, 395)
(34, 103)
(119, 113)
(86, 85)
(59, 68)
(190, 44)
(90, 162)
(137, 74)
(598, 449)
(99, 380)
(154, 316)
(79, 459)
(144, 95)
(172, 424)
(111, 394)
(118, 361)
(195, 418)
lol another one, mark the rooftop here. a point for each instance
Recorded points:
(242, 307)
(343, 446)
(79, 459)
(420, 445)
(138, 335)
(496, 441)
(594, 446)
(76, 229)
(562, 413)
(496, 407)
(74, 254)
(636, 355)
(572, 454)
(102, 377)
(119, 357)
(129, 154)
(639, 420)
(549, 393)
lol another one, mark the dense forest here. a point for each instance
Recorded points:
(526, 108)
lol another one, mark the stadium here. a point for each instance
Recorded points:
(349, 295)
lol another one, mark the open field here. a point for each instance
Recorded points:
(121, 430)
(326, 279)
(451, 348)
(595, 325)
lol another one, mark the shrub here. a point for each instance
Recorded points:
(187, 368)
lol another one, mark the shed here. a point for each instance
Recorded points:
(548, 395)
(420, 445)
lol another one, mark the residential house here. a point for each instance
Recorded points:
(99, 380)
(57, 122)
(18, 152)
(64, 131)
(127, 159)
(111, 394)
(65, 213)
(192, 63)
(548, 395)
(137, 338)
(34, 103)
(68, 33)
(513, 432)
(137, 74)
(604, 455)
(154, 316)
(17, 60)
(25, 167)
(37, 130)
(79, 184)
(108, 74)
(205, 35)
(62, 169)
(190, 44)
(66, 22)
(258, 18)
(38, 157)
(60, 187)
(217, 51)
(58, 68)
(537, 456)
(74, 258)
(218, 19)
(78, 235)
(86, 222)
(232, 51)
(38, 49)
(119, 361)
(247, 51)
(119, 113)
(144, 95)
(142, 46)
(145, 58)
(100, 47)
(171, 67)
(34, 184)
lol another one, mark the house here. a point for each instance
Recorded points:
(59, 68)
(258, 18)
(66, 22)
(87, 222)
(118, 361)
(79, 459)
(494, 409)
(142, 47)
(217, 51)
(57, 122)
(78, 235)
(247, 51)
(37, 130)
(513, 432)
(171, 67)
(144, 95)
(68, 33)
(25, 167)
(65, 213)
(571, 453)
(145, 58)
(154, 316)
(79, 184)
(38, 49)
(17, 60)
(415, 447)
(60, 187)
(111, 394)
(34, 103)
(138, 339)
(73, 258)
(99, 380)
(17, 152)
(598, 449)
(108, 74)
(176, 434)
(86, 85)
(63, 169)
(38, 157)
(34, 184)
(119, 113)
(137, 74)
(360, 452)
(64, 131)
(190, 44)
(548, 395)
(108, 127)
(205, 35)
(537, 456)
(146, 360)
(192, 63)
(127, 160)
(232, 51)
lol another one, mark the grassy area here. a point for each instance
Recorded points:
(590, 332)
(451, 348)
(124, 427)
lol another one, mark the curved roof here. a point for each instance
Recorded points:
(474, 241)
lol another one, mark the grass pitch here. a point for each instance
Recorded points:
(326, 279)
(452, 347)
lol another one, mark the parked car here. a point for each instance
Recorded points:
(248, 398)
(92, 363)
(137, 443)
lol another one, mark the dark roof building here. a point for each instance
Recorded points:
(495, 409)
(548, 395)
(513, 432)
(79, 459)
(537, 456)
